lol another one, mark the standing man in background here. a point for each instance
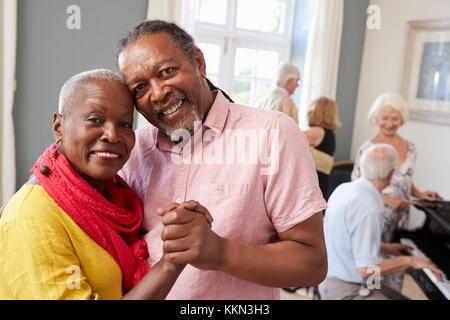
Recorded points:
(280, 98)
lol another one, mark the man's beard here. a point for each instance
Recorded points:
(174, 131)
(177, 130)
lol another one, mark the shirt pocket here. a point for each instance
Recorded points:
(233, 196)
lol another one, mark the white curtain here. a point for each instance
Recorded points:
(181, 12)
(8, 24)
(322, 55)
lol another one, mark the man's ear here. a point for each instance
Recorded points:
(391, 175)
(57, 126)
(200, 59)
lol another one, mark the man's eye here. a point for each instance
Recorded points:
(167, 72)
(139, 88)
(94, 120)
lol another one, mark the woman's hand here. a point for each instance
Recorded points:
(397, 203)
(429, 195)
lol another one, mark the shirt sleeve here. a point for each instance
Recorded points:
(366, 239)
(292, 192)
(38, 261)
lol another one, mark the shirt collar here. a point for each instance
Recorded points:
(283, 89)
(368, 185)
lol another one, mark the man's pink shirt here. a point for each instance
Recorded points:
(250, 168)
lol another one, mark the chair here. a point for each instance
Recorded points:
(340, 173)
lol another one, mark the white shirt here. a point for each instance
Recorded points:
(353, 225)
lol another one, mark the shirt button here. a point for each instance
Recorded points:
(178, 201)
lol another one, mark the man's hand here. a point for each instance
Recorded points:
(188, 237)
(395, 248)
(421, 263)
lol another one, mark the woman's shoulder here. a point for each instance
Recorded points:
(31, 203)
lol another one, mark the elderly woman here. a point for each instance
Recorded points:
(389, 112)
(71, 232)
(323, 122)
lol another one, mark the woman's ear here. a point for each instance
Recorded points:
(58, 127)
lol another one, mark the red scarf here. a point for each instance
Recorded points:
(112, 223)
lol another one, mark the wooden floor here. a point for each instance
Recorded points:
(410, 289)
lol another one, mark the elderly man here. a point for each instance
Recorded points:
(353, 226)
(238, 162)
(279, 99)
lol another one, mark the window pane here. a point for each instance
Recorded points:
(261, 15)
(213, 78)
(211, 11)
(244, 64)
(263, 88)
(211, 52)
(242, 91)
(267, 63)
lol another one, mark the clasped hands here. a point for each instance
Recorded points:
(187, 235)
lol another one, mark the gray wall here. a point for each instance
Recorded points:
(48, 53)
(352, 43)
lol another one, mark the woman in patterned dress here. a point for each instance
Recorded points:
(390, 112)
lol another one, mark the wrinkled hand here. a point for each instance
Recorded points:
(396, 248)
(187, 235)
(430, 195)
(397, 203)
(421, 263)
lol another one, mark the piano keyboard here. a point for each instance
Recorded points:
(443, 287)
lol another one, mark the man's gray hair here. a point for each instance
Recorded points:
(287, 71)
(75, 81)
(378, 161)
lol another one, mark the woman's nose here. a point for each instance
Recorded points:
(110, 134)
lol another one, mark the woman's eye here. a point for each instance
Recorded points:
(127, 125)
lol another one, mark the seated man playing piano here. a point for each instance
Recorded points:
(353, 225)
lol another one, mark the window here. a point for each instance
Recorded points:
(243, 42)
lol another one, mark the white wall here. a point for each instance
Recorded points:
(382, 71)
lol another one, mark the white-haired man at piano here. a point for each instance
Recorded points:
(353, 225)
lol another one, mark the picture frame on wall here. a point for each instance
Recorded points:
(426, 83)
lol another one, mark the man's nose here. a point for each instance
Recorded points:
(157, 90)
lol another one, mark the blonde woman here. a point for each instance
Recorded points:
(323, 122)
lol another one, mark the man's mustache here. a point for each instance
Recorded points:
(170, 99)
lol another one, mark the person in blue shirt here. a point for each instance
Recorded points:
(353, 225)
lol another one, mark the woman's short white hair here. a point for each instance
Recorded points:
(73, 82)
(394, 100)
(378, 161)
(287, 71)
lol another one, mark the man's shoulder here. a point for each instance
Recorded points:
(262, 116)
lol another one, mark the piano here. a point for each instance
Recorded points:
(432, 240)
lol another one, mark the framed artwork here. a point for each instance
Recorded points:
(426, 84)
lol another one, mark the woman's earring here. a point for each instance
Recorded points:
(44, 169)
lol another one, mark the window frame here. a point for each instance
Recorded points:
(229, 37)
